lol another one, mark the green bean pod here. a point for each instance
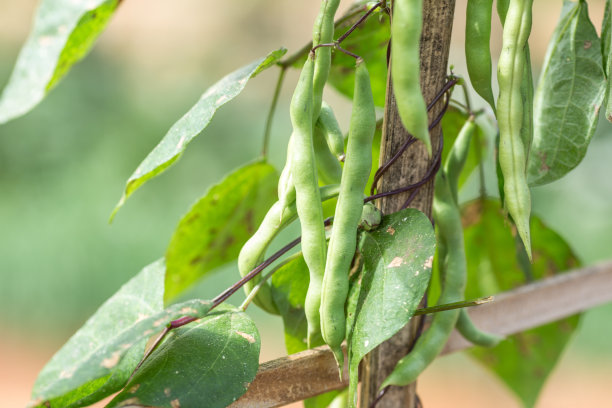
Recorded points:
(278, 217)
(458, 155)
(333, 133)
(451, 256)
(453, 165)
(510, 116)
(406, 28)
(470, 332)
(286, 188)
(477, 47)
(328, 166)
(308, 201)
(323, 33)
(343, 240)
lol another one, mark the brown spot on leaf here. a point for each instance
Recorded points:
(543, 165)
(167, 392)
(134, 388)
(198, 259)
(175, 403)
(111, 361)
(587, 45)
(159, 322)
(250, 222)
(390, 230)
(428, 263)
(397, 261)
(188, 310)
(247, 336)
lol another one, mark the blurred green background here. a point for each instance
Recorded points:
(63, 166)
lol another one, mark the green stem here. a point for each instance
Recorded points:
(269, 119)
(454, 305)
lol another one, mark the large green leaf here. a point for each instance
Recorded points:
(215, 228)
(99, 358)
(397, 260)
(289, 285)
(64, 32)
(525, 360)
(193, 123)
(606, 33)
(208, 363)
(568, 97)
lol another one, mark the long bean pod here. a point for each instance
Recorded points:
(343, 238)
(477, 47)
(406, 28)
(308, 201)
(510, 116)
(453, 165)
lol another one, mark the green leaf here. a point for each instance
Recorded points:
(523, 361)
(215, 228)
(99, 358)
(397, 260)
(369, 41)
(289, 285)
(208, 363)
(606, 39)
(193, 123)
(64, 32)
(568, 97)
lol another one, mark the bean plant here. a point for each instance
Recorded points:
(354, 277)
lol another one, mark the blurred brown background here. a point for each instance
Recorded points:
(62, 168)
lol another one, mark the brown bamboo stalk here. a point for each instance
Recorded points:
(410, 168)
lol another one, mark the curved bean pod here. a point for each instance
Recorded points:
(343, 240)
(333, 133)
(470, 332)
(406, 28)
(458, 155)
(328, 166)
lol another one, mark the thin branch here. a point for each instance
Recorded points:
(269, 119)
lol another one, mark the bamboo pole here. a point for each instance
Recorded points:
(410, 168)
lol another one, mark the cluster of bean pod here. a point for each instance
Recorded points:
(314, 156)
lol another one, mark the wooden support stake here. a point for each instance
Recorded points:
(408, 169)
(312, 372)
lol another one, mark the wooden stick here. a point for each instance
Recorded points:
(312, 372)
